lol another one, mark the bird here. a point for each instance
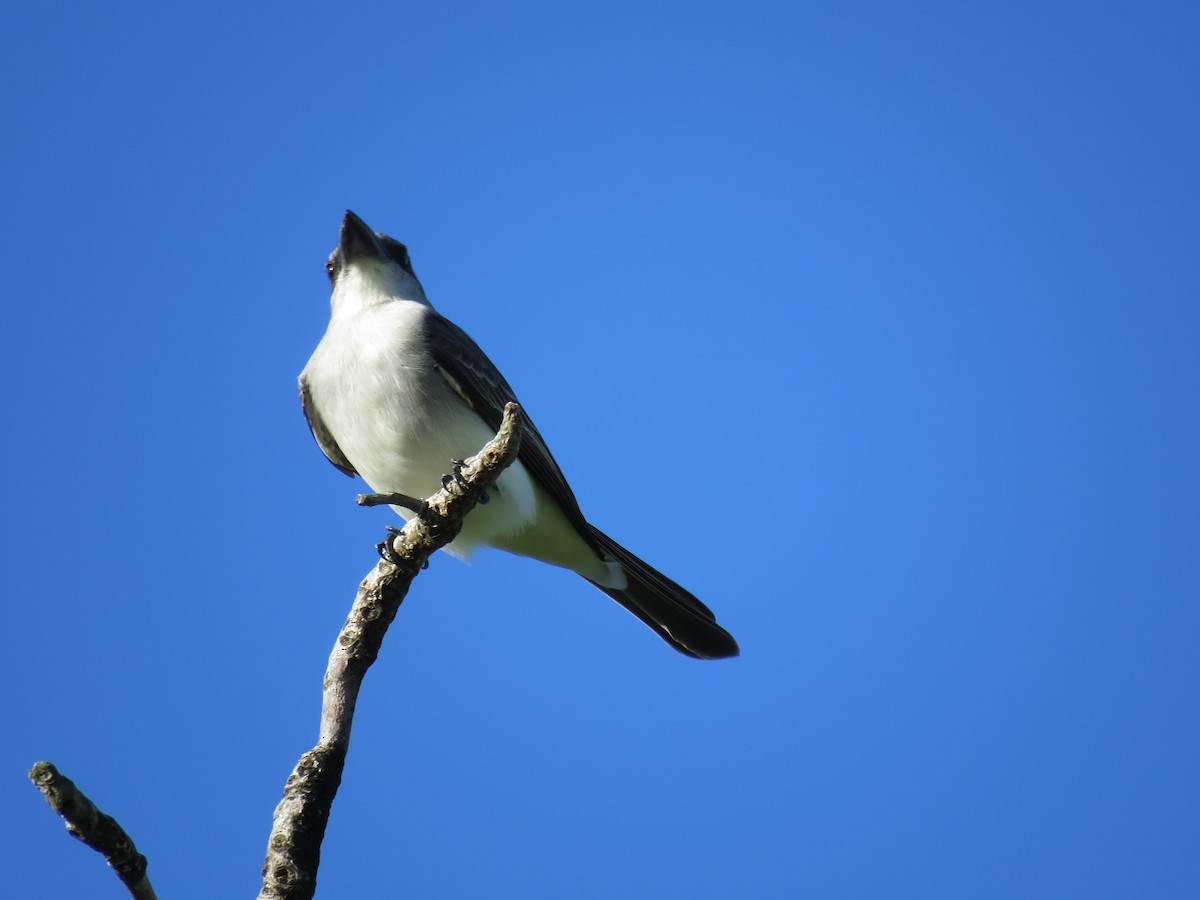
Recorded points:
(396, 393)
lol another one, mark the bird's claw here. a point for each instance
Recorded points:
(456, 475)
(385, 548)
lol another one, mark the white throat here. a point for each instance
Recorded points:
(368, 284)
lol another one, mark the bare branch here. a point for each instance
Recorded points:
(416, 504)
(294, 850)
(96, 829)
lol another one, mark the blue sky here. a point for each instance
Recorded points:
(874, 324)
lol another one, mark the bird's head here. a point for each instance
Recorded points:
(367, 268)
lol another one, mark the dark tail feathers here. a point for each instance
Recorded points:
(679, 618)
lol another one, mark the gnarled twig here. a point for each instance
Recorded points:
(293, 851)
(98, 830)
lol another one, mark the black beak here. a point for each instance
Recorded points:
(356, 240)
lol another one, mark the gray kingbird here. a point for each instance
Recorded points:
(395, 392)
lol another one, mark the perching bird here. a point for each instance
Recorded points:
(395, 393)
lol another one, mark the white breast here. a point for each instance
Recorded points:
(400, 424)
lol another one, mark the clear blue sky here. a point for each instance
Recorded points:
(875, 324)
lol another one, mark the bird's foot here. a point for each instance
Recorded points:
(385, 548)
(456, 477)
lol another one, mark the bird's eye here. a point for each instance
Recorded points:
(330, 269)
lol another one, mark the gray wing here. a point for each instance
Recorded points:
(476, 379)
(317, 426)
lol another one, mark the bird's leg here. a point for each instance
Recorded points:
(420, 507)
(385, 546)
(386, 550)
(457, 477)
(456, 473)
